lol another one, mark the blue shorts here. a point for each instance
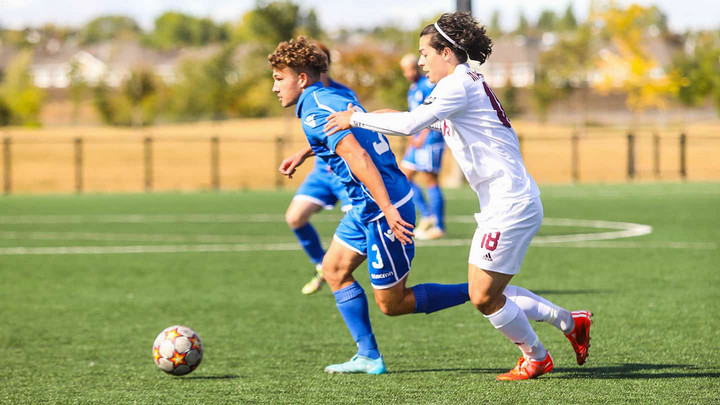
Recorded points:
(427, 158)
(324, 189)
(388, 259)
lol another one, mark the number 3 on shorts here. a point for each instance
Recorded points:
(379, 263)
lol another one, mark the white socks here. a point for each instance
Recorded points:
(538, 308)
(513, 323)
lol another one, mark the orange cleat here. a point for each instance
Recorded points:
(527, 369)
(580, 336)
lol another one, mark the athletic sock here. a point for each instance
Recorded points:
(512, 322)
(310, 242)
(537, 308)
(437, 203)
(419, 200)
(434, 297)
(353, 306)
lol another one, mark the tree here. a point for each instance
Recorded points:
(544, 93)
(700, 70)
(109, 27)
(20, 95)
(138, 88)
(76, 89)
(523, 27)
(632, 68)
(173, 29)
(272, 22)
(208, 88)
(547, 22)
(566, 66)
(568, 22)
(510, 100)
(494, 29)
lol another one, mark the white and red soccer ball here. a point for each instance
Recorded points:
(177, 350)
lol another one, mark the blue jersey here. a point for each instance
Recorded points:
(347, 91)
(417, 93)
(316, 103)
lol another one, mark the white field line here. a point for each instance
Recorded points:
(623, 230)
(134, 237)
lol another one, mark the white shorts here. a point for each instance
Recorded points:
(503, 236)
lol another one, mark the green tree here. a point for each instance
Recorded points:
(544, 93)
(5, 113)
(494, 29)
(22, 98)
(109, 27)
(77, 89)
(138, 88)
(523, 27)
(566, 66)
(547, 22)
(173, 29)
(207, 89)
(272, 22)
(700, 70)
(510, 101)
(568, 22)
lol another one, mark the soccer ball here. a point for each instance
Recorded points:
(177, 350)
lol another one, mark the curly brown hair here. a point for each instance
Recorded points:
(470, 37)
(300, 55)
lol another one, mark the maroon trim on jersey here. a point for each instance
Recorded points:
(496, 105)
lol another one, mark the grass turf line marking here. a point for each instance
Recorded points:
(102, 250)
(587, 240)
(136, 237)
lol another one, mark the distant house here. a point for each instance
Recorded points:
(109, 62)
(513, 60)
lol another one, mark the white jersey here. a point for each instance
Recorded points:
(477, 132)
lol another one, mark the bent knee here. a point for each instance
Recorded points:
(390, 308)
(485, 302)
(294, 220)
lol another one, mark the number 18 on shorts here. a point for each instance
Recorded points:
(503, 237)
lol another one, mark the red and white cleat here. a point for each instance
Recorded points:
(580, 336)
(527, 369)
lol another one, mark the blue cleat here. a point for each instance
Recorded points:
(359, 364)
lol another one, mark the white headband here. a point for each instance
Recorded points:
(446, 36)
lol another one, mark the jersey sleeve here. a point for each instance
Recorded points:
(446, 98)
(313, 124)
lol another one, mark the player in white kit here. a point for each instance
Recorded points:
(481, 139)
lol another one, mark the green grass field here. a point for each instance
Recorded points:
(88, 281)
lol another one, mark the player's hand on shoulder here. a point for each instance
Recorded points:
(339, 121)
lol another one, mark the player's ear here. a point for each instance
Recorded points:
(303, 79)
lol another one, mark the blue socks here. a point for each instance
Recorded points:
(434, 297)
(353, 306)
(419, 200)
(310, 242)
(438, 205)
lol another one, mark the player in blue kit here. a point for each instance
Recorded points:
(379, 225)
(320, 190)
(424, 156)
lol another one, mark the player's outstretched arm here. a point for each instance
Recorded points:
(389, 123)
(290, 163)
(364, 169)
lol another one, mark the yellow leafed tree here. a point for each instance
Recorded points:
(629, 66)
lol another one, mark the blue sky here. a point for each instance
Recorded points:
(333, 14)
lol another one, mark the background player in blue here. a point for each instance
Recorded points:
(424, 157)
(319, 190)
(379, 224)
